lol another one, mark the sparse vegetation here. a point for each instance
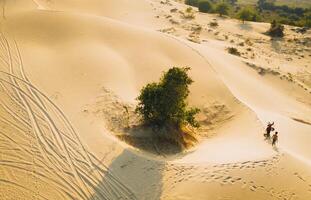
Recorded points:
(163, 104)
(188, 14)
(276, 30)
(189, 10)
(213, 24)
(233, 51)
(284, 12)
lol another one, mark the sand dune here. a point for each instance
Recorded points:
(68, 68)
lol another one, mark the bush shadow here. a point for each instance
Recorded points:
(138, 178)
(245, 26)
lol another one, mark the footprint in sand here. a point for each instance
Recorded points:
(244, 185)
(238, 179)
(227, 178)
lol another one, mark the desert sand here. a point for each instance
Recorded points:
(70, 72)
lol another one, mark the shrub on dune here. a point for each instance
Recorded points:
(222, 8)
(247, 14)
(205, 6)
(163, 104)
(276, 29)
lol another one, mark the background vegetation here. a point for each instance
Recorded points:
(290, 12)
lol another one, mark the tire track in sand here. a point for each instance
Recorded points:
(60, 160)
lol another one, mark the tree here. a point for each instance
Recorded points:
(164, 104)
(222, 8)
(205, 6)
(247, 14)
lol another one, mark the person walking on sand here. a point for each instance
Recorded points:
(275, 138)
(269, 129)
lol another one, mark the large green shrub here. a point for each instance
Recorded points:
(205, 6)
(248, 14)
(245, 15)
(164, 103)
(222, 8)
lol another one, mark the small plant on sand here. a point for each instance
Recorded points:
(163, 104)
(205, 6)
(213, 24)
(188, 14)
(189, 10)
(276, 29)
(234, 51)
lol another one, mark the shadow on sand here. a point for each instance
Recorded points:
(245, 26)
(140, 175)
(276, 44)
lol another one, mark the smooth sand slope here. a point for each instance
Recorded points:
(70, 68)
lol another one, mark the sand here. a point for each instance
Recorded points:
(70, 72)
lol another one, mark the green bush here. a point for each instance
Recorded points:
(222, 8)
(276, 29)
(205, 6)
(164, 104)
(247, 14)
(192, 2)
(307, 20)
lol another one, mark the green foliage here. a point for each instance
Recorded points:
(276, 29)
(247, 14)
(222, 8)
(189, 9)
(192, 2)
(232, 2)
(307, 20)
(284, 11)
(205, 6)
(163, 103)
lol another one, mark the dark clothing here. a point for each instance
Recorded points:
(274, 139)
(269, 129)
